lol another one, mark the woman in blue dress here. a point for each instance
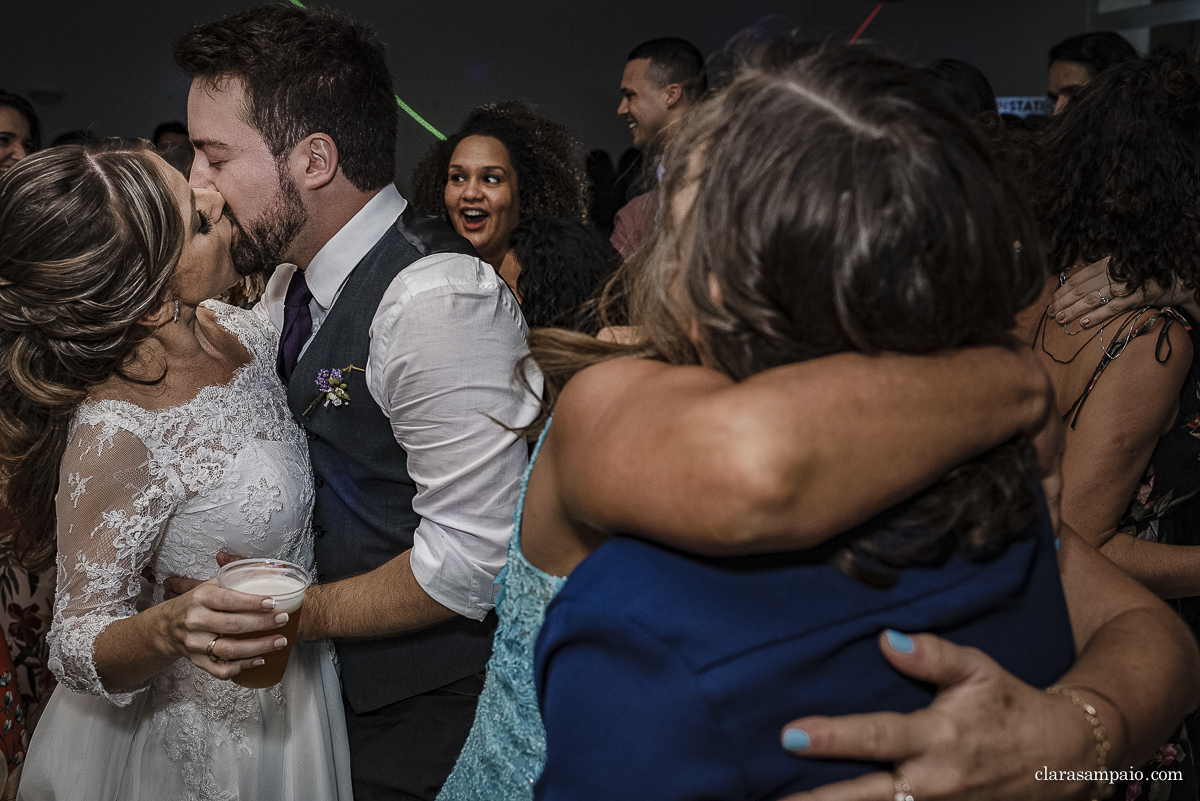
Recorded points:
(761, 458)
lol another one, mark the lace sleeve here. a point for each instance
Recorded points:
(112, 506)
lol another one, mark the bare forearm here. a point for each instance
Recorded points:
(888, 426)
(871, 431)
(1168, 571)
(1116, 623)
(783, 460)
(386, 601)
(1152, 695)
(132, 650)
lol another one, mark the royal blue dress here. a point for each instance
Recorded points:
(663, 675)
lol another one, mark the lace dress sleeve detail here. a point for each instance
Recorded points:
(113, 502)
(255, 333)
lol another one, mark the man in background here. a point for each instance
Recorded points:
(1075, 62)
(663, 79)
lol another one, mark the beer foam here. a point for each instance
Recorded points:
(272, 584)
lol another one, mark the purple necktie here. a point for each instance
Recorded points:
(297, 325)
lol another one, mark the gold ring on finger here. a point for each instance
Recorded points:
(903, 790)
(209, 650)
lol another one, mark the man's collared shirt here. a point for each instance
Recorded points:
(445, 342)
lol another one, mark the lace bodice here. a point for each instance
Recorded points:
(167, 490)
(506, 749)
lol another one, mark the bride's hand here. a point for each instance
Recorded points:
(198, 624)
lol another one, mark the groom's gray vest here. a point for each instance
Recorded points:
(363, 515)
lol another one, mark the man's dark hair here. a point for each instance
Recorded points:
(174, 126)
(304, 71)
(674, 61)
(1097, 51)
(966, 83)
(25, 109)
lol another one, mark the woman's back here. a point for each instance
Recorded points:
(1117, 389)
(669, 676)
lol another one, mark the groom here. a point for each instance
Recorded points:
(292, 117)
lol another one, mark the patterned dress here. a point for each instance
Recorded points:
(26, 601)
(1166, 509)
(505, 751)
(167, 489)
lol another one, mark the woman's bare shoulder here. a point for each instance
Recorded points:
(631, 383)
(1136, 396)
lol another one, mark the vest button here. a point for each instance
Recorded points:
(308, 433)
(318, 532)
(322, 577)
(320, 482)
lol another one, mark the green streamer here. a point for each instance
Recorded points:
(420, 119)
(399, 102)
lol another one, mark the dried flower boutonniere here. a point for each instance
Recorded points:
(332, 388)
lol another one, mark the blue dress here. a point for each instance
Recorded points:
(662, 675)
(506, 748)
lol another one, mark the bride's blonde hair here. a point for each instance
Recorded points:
(89, 239)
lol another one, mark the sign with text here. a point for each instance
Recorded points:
(1024, 106)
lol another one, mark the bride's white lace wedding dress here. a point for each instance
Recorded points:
(167, 489)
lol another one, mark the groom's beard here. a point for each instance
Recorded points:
(259, 245)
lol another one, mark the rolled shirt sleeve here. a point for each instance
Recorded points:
(446, 342)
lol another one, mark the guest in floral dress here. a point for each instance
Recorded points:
(26, 600)
(1129, 389)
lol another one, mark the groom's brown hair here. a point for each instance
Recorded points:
(304, 72)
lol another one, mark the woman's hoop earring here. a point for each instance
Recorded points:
(176, 317)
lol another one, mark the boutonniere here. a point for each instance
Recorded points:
(332, 388)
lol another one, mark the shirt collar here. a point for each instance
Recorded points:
(333, 263)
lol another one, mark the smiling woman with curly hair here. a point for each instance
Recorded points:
(504, 166)
(1119, 181)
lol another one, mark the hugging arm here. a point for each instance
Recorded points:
(787, 458)
(987, 735)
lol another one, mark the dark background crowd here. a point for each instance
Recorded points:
(107, 67)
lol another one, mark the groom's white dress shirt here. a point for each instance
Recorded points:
(444, 344)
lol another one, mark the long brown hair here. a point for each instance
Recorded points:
(89, 239)
(1119, 175)
(843, 203)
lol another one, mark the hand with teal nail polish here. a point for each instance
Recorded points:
(796, 739)
(979, 739)
(901, 642)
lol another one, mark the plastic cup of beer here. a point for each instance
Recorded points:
(286, 583)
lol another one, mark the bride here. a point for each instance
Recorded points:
(143, 427)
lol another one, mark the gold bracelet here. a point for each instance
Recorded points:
(1102, 787)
